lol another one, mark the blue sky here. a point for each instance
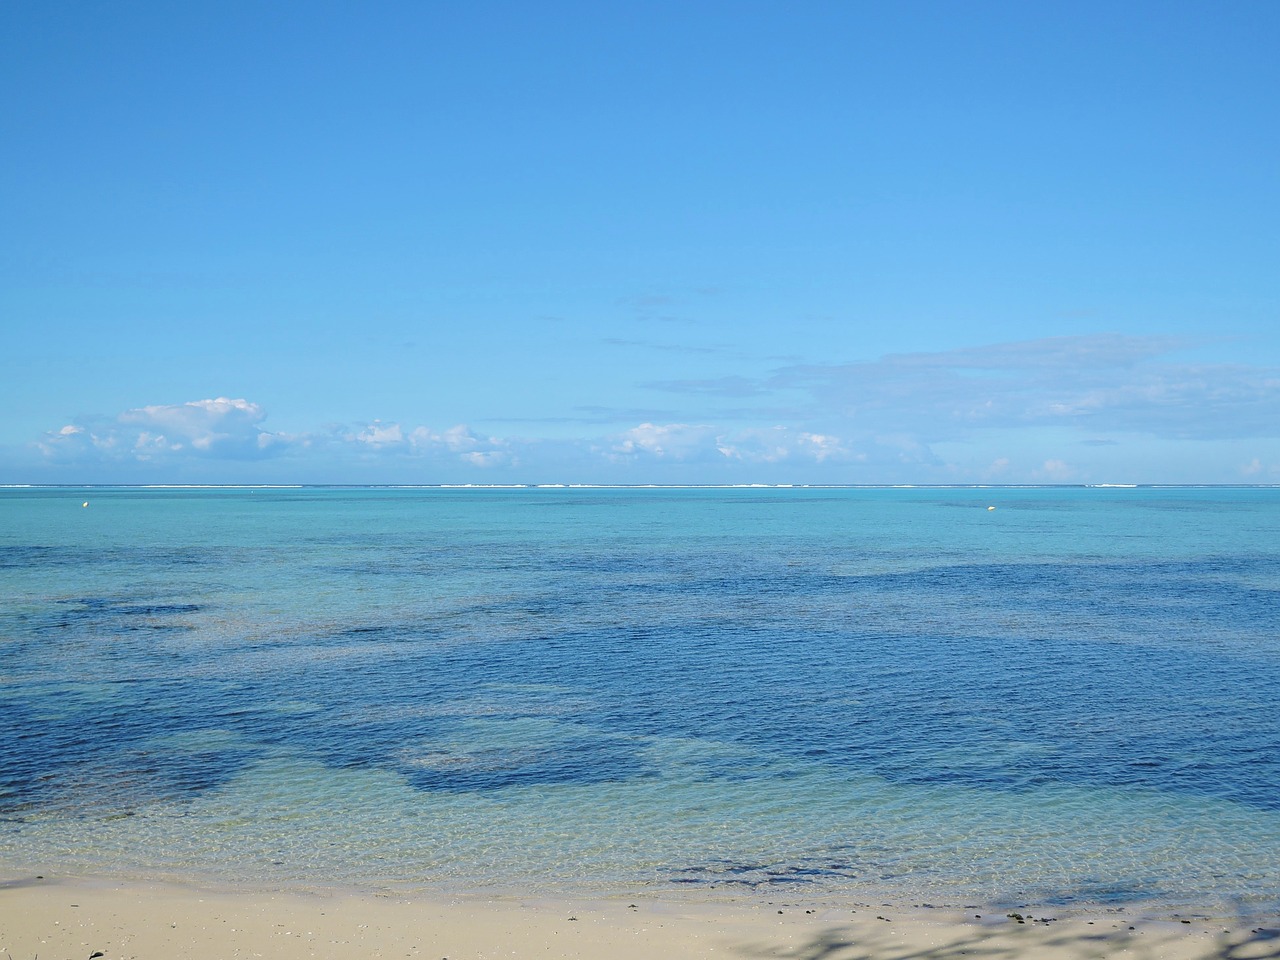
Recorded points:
(693, 242)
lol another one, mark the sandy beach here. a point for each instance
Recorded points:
(75, 919)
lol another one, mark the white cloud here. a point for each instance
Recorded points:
(378, 434)
(671, 441)
(694, 443)
(1057, 410)
(462, 441)
(998, 467)
(1095, 383)
(458, 443)
(218, 428)
(1256, 471)
(229, 430)
(1101, 383)
(821, 446)
(73, 443)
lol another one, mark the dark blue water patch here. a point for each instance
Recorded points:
(34, 556)
(579, 761)
(1206, 590)
(1208, 596)
(155, 609)
(384, 558)
(928, 709)
(755, 875)
(908, 700)
(1100, 674)
(95, 609)
(925, 709)
(422, 635)
(63, 750)
(93, 618)
(37, 556)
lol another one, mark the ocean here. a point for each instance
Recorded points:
(1062, 696)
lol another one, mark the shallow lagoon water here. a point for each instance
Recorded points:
(891, 693)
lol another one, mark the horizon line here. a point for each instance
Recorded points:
(630, 486)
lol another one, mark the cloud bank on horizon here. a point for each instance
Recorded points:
(951, 416)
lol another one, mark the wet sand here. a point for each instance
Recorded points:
(75, 919)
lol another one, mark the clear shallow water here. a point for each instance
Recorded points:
(889, 693)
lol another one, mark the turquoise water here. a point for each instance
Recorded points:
(889, 693)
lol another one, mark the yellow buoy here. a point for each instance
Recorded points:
(85, 504)
(989, 508)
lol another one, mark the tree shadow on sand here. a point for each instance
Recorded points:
(1010, 941)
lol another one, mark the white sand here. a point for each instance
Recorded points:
(74, 919)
